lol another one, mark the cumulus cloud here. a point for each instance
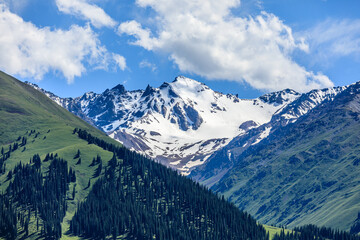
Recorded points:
(203, 37)
(142, 35)
(32, 52)
(85, 10)
(120, 61)
(335, 38)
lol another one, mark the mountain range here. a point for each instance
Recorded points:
(179, 124)
(288, 158)
(62, 178)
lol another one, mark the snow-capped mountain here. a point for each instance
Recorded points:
(183, 123)
(179, 124)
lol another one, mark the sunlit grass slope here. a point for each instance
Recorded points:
(48, 128)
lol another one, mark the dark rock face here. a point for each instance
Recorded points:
(194, 116)
(248, 124)
(277, 97)
(148, 91)
(153, 133)
(119, 89)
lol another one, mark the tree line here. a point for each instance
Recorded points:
(312, 232)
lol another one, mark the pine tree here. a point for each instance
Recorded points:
(15, 146)
(77, 155)
(98, 170)
(26, 227)
(9, 176)
(47, 157)
(36, 160)
(23, 141)
(93, 162)
(74, 192)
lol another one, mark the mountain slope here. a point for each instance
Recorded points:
(60, 177)
(304, 172)
(180, 123)
(223, 160)
(47, 128)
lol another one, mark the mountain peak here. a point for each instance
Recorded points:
(149, 90)
(164, 85)
(280, 96)
(179, 78)
(185, 80)
(120, 88)
(183, 85)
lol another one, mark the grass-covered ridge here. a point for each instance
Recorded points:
(23, 108)
(27, 113)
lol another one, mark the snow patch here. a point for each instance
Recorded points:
(262, 136)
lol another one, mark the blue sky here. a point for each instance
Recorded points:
(242, 47)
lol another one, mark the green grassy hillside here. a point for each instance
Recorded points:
(24, 109)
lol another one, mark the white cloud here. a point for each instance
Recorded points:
(204, 38)
(85, 10)
(335, 38)
(142, 35)
(32, 52)
(146, 64)
(120, 61)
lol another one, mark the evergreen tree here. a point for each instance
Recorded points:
(9, 176)
(74, 192)
(98, 170)
(23, 141)
(36, 160)
(77, 155)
